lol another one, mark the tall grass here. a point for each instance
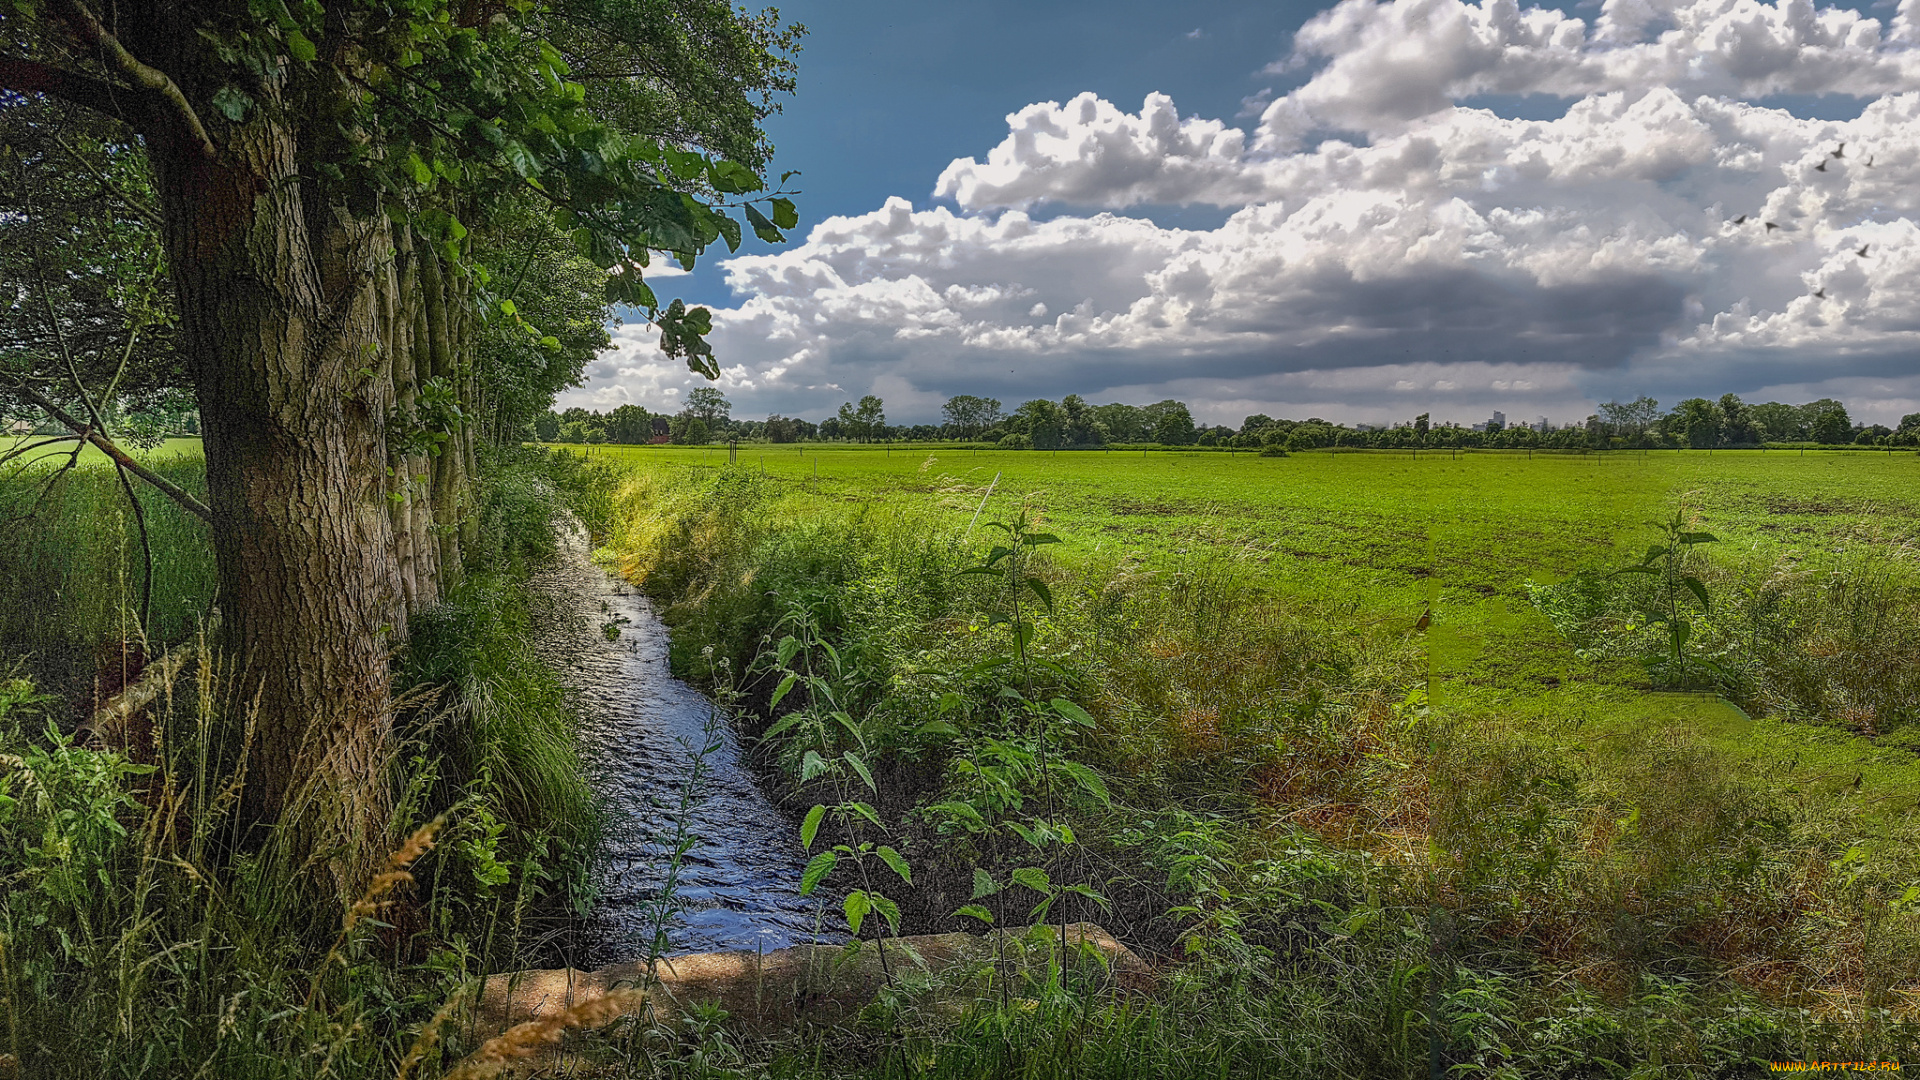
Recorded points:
(140, 937)
(71, 567)
(1335, 863)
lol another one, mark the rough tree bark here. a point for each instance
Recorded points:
(278, 313)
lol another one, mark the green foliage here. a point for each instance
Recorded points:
(1677, 592)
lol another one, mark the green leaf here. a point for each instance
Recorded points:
(733, 178)
(1699, 590)
(856, 906)
(785, 651)
(763, 228)
(508, 307)
(1088, 780)
(520, 159)
(817, 870)
(784, 215)
(975, 911)
(1040, 589)
(983, 884)
(895, 863)
(810, 827)
(1036, 539)
(861, 768)
(1082, 890)
(964, 812)
(783, 724)
(300, 47)
(232, 103)
(781, 691)
(550, 343)
(867, 812)
(1698, 538)
(887, 908)
(1072, 712)
(937, 727)
(1033, 878)
(418, 170)
(813, 765)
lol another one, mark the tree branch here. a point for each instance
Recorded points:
(33, 77)
(119, 456)
(171, 104)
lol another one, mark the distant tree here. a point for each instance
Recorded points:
(1169, 423)
(969, 415)
(783, 429)
(1736, 420)
(1080, 425)
(573, 431)
(1124, 423)
(833, 427)
(1421, 425)
(1828, 422)
(1633, 420)
(1779, 423)
(1698, 421)
(872, 416)
(629, 424)
(546, 426)
(686, 429)
(1044, 423)
(710, 405)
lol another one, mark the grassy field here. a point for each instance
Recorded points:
(1245, 630)
(1341, 828)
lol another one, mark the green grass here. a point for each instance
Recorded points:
(139, 937)
(1243, 629)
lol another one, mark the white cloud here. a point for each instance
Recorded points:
(1438, 256)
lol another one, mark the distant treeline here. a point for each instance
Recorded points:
(1072, 423)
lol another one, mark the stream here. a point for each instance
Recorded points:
(641, 728)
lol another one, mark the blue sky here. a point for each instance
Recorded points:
(891, 92)
(1360, 211)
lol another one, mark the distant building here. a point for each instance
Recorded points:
(1499, 419)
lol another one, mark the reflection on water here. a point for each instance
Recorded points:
(739, 884)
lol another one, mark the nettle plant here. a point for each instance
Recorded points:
(1677, 599)
(835, 749)
(999, 776)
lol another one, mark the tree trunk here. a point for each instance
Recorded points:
(280, 308)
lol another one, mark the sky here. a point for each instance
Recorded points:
(1359, 212)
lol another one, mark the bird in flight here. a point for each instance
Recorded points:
(1863, 250)
(1841, 152)
(1869, 161)
(1822, 167)
(1821, 294)
(1771, 226)
(1741, 220)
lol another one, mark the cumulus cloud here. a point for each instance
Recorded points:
(1665, 235)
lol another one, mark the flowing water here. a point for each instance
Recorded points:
(642, 731)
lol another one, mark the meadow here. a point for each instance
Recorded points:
(1375, 755)
(1247, 634)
